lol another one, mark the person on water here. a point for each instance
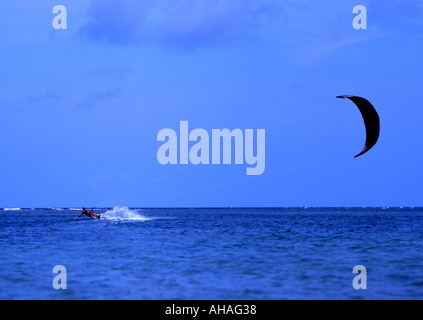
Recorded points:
(88, 213)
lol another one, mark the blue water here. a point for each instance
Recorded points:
(296, 253)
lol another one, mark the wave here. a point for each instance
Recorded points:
(123, 214)
(12, 209)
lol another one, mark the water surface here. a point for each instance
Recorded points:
(212, 253)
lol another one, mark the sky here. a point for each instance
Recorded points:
(81, 107)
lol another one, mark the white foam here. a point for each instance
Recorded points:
(12, 209)
(123, 214)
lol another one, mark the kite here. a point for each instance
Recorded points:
(371, 121)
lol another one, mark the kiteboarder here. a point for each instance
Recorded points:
(89, 213)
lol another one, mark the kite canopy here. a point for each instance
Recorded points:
(371, 121)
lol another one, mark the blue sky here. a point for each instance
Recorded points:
(81, 108)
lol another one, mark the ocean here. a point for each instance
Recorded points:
(212, 253)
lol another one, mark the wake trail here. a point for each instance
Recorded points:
(123, 214)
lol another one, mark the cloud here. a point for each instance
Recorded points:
(181, 22)
(200, 22)
(40, 97)
(192, 23)
(94, 98)
(399, 16)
